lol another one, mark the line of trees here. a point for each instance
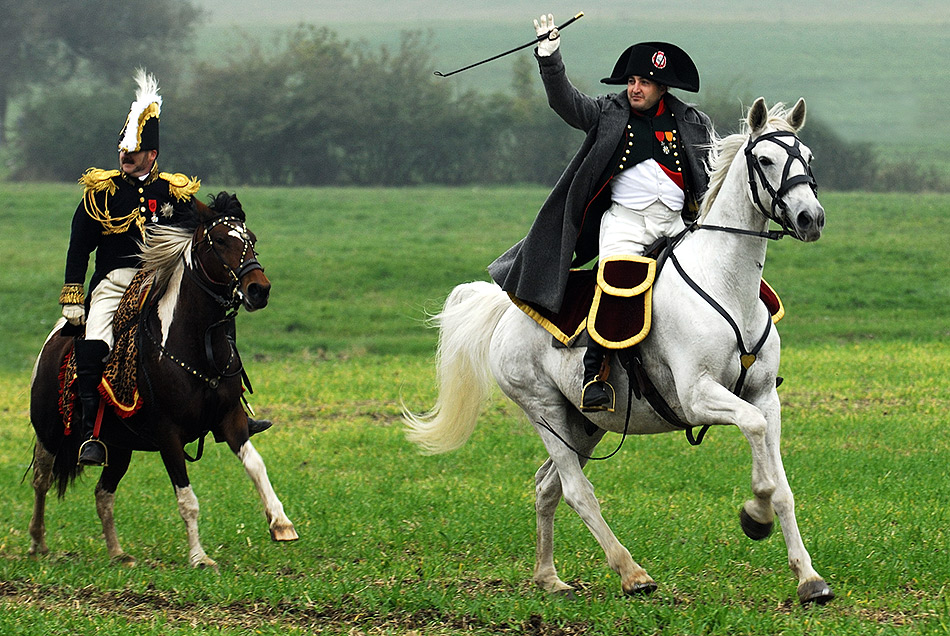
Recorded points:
(44, 43)
(312, 109)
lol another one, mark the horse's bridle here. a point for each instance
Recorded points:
(232, 299)
(231, 302)
(757, 176)
(794, 151)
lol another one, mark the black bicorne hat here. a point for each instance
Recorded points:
(661, 62)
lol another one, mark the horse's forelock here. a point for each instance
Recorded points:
(226, 204)
(778, 116)
(724, 150)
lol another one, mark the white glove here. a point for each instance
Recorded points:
(545, 26)
(75, 314)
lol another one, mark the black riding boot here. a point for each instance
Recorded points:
(90, 361)
(595, 395)
(257, 426)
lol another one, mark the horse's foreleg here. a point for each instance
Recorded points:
(812, 588)
(281, 528)
(42, 480)
(187, 506)
(105, 503)
(762, 428)
(188, 509)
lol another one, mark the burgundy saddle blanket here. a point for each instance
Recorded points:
(614, 304)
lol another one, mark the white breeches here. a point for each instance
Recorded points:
(103, 303)
(626, 231)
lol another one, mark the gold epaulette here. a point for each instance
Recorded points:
(99, 180)
(181, 186)
(96, 180)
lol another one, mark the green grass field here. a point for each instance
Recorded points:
(397, 543)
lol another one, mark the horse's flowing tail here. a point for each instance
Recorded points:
(466, 324)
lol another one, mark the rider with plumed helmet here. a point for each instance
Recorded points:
(639, 174)
(116, 208)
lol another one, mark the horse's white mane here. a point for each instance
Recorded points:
(163, 252)
(724, 149)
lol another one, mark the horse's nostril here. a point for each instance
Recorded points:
(804, 220)
(258, 294)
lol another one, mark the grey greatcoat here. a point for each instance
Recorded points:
(565, 232)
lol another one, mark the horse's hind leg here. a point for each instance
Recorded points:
(105, 503)
(42, 480)
(546, 499)
(563, 475)
(281, 528)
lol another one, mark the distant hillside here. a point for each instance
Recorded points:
(400, 11)
(875, 70)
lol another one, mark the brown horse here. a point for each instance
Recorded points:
(189, 376)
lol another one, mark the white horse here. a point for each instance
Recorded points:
(692, 354)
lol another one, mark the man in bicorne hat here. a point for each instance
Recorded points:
(638, 174)
(111, 219)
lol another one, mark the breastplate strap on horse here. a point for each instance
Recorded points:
(746, 358)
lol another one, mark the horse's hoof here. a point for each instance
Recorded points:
(38, 551)
(283, 533)
(206, 563)
(123, 559)
(567, 594)
(752, 528)
(815, 592)
(640, 589)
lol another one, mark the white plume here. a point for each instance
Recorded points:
(145, 95)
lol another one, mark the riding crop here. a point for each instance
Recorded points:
(517, 48)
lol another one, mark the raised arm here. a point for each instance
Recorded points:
(574, 107)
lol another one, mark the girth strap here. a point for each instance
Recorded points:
(642, 386)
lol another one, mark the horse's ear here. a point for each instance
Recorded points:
(758, 115)
(797, 117)
(204, 212)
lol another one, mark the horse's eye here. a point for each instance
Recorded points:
(765, 162)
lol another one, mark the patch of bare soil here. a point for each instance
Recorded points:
(307, 616)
